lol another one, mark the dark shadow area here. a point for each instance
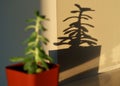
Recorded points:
(68, 58)
(77, 79)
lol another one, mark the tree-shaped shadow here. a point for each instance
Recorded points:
(83, 50)
(77, 31)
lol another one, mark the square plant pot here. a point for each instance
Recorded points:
(18, 78)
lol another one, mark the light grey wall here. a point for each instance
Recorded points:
(13, 14)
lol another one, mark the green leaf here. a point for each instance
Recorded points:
(42, 54)
(41, 18)
(17, 59)
(30, 51)
(37, 13)
(39, 70)
(50, 59)
(44, 65)
(31, 44)
(41, 27)
(30, 20)
(30, 67)
(30, 27)
(45, 56)
(43, 39)
(32, 37)
(29, 58)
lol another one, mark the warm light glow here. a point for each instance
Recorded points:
(116, 54)
(113, 62)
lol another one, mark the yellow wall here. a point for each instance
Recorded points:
(107, 24)
(48, 8)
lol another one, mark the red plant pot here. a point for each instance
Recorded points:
(46, 78)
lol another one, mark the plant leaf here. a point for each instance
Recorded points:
(30, 67)
(43, 39)
(31, 44)
(43, 28)
(30, 27)
(50, 59)
(30, 51)
(17, 59)
(30, 20)
(31, 38)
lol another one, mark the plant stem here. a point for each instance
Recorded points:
(37, 40)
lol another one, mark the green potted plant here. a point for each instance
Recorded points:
(36, 68)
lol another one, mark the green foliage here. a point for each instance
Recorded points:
(35, 59)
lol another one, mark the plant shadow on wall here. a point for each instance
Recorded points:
(83, 51)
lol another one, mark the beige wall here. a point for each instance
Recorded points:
(106, 20)
(48, 8)
(107, 24)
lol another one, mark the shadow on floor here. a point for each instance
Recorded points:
(110, 78)
(78, 80)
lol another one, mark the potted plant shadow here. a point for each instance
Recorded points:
(83, 47)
